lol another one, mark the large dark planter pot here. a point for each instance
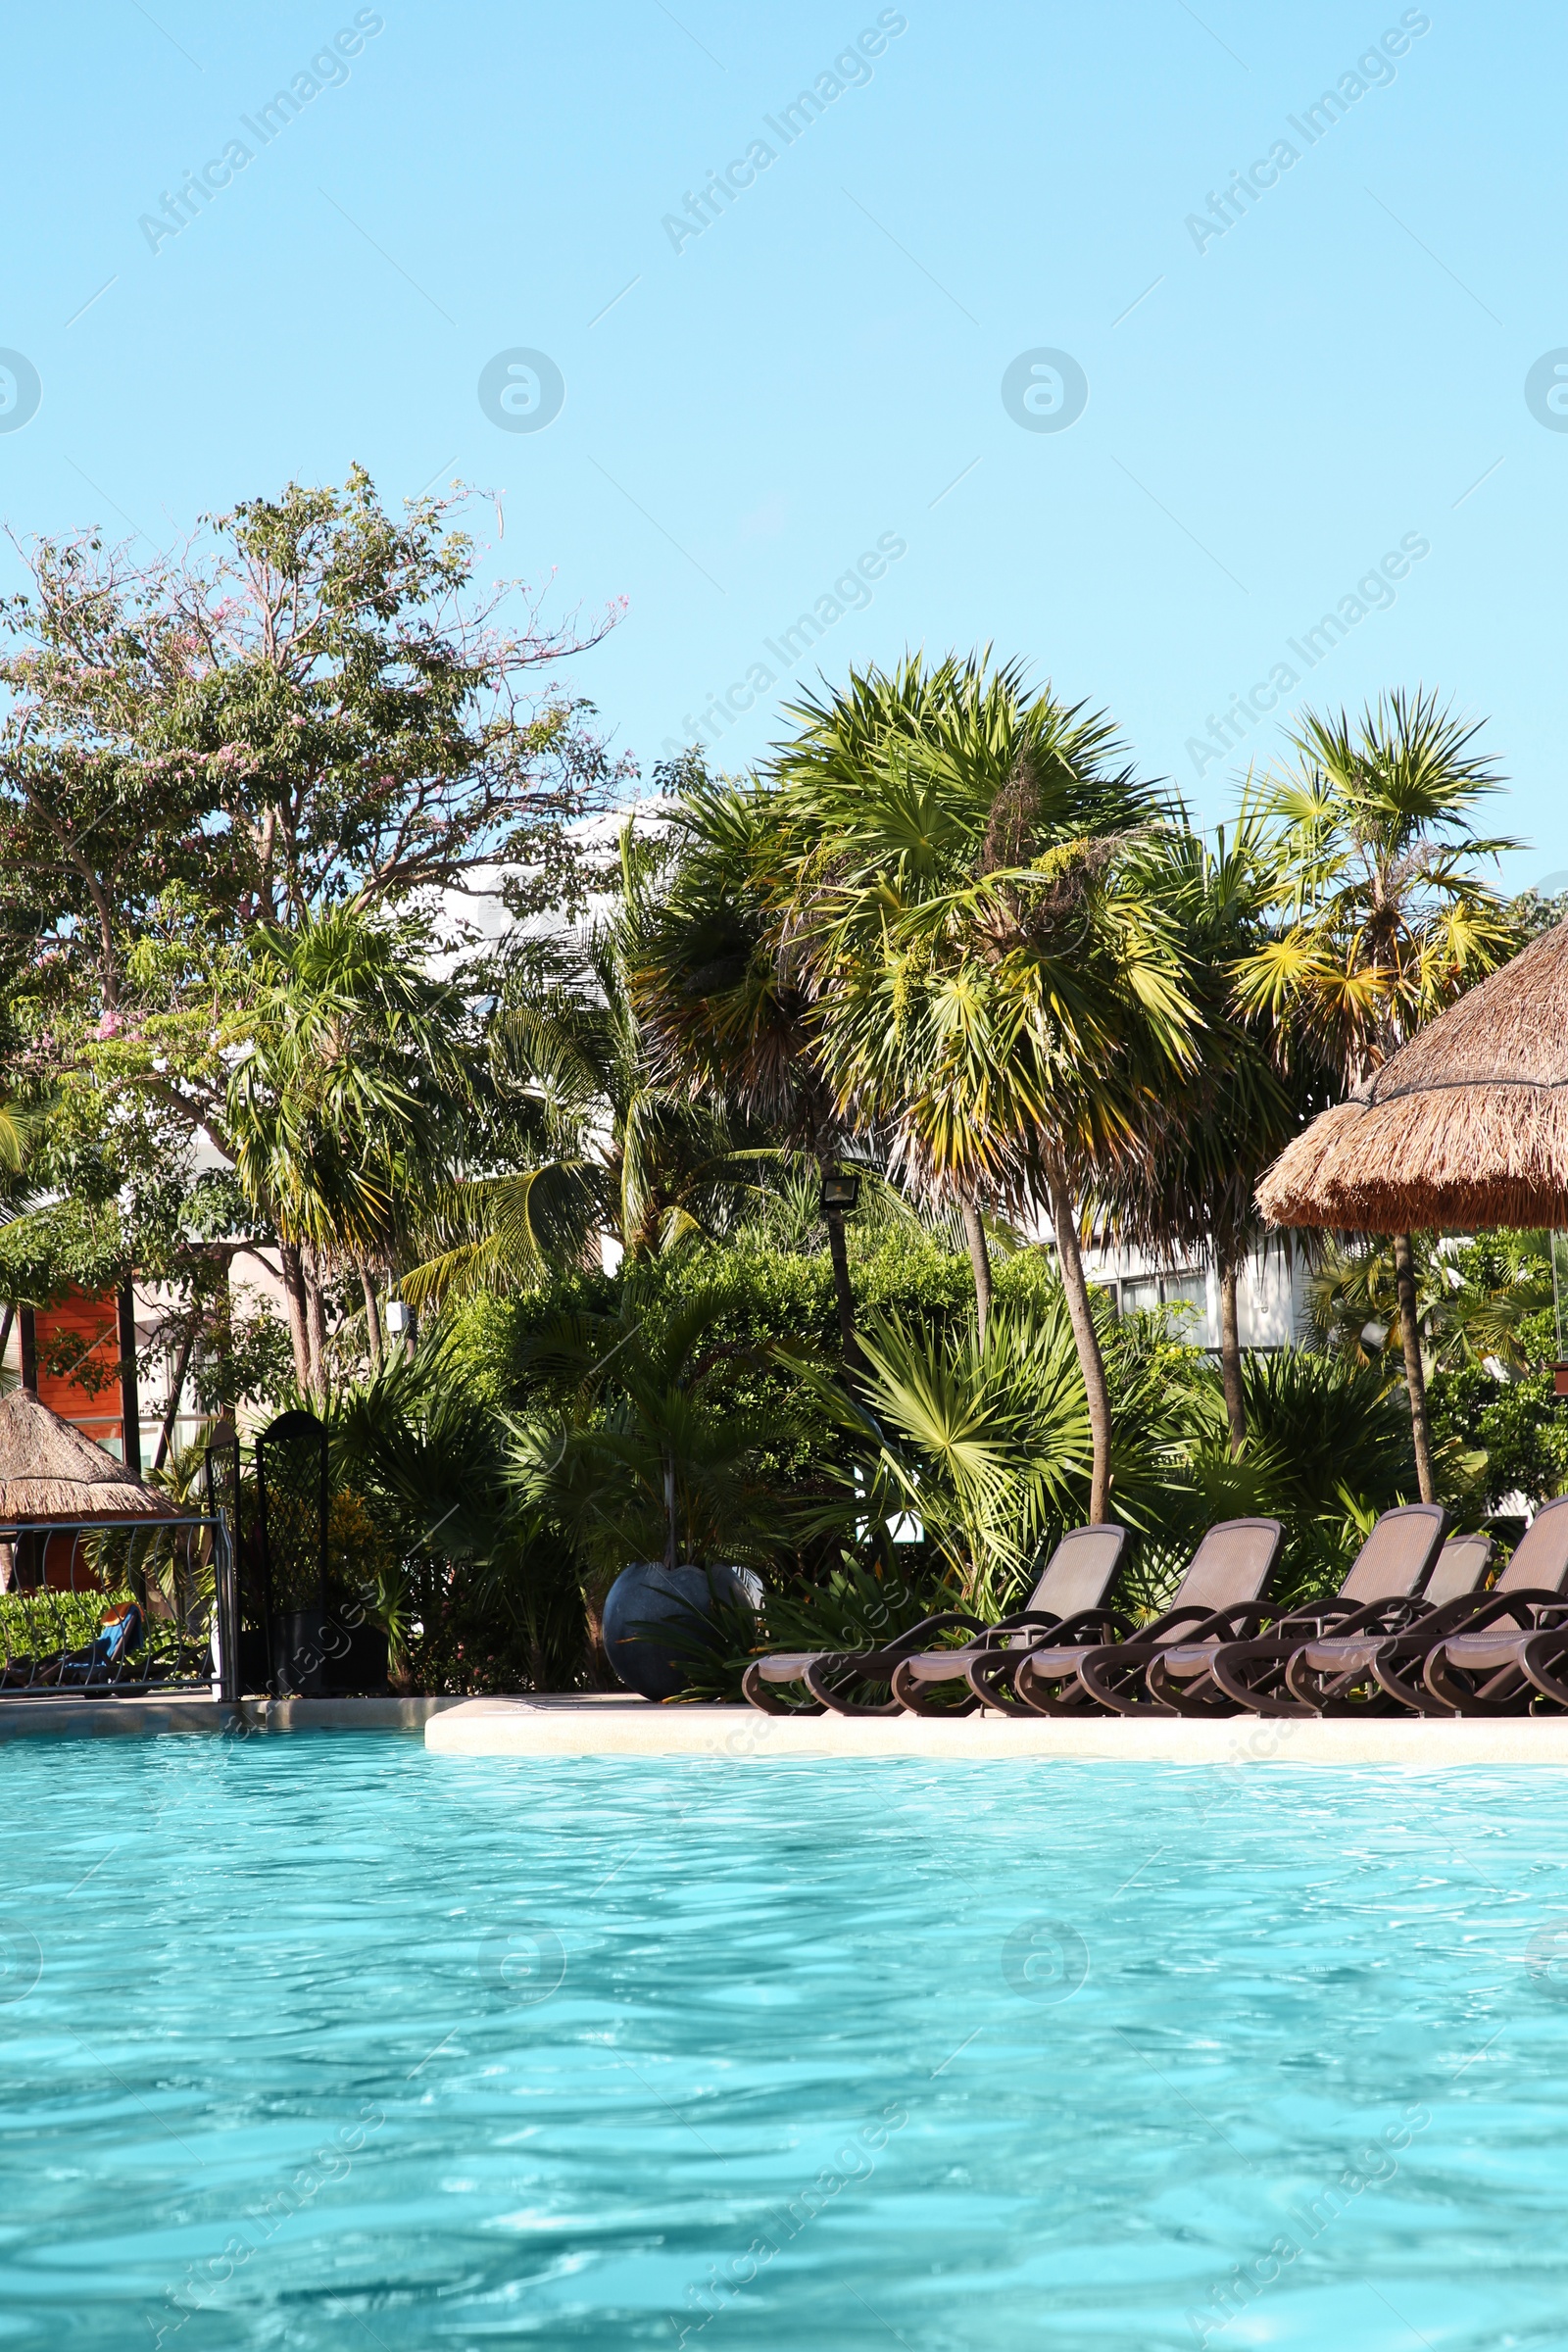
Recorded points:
(649, 1595)
(300, 1645)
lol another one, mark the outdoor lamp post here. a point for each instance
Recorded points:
(398, 1318)
(840, 1190)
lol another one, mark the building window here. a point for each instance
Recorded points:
(1140, 1292)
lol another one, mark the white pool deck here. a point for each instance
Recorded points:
(609, 1725)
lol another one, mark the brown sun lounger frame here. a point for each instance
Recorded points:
(1075, 1574)
(1379, 1596)
(1510, 1651)
(1217, 1598)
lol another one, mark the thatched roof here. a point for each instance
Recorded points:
(1464, 1127)
(49, 1470)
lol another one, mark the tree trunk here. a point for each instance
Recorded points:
(373, 1316)
(1415, 1379)
(130, 1400)
(188, 1342)
(843, 1293)
(293, 1269)
(316, 1324)
(1091, 1362)
(28, 1337)
(974, 1233)
(1230, 1356)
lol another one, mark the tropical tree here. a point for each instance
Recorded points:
(989, 986)
(652, 1456)
(315, 705)
(1382, 915)
(729, 1016)
(1223, 1117)
(583, 1133)
(340, 1073)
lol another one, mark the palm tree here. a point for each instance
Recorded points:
(1222, 1119)
(901, 786)
(580, 1102)
(1382, 919)
(653, 1455)
(730, 1018)
(986, 984)
(343, 1066)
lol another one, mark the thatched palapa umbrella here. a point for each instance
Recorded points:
(1465, 1126)
(50, 1471)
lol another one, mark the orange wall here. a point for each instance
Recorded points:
(93, 1321)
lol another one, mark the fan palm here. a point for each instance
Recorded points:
(653, 1457)
(1382, 917)
(988, 986)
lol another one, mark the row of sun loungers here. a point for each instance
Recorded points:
(1411, 1628)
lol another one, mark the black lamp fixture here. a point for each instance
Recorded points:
(842, 1189)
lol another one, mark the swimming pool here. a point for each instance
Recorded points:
(326, 2041)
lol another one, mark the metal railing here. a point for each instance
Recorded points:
(92, 1606)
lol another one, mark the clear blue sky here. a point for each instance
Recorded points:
(1274, 405)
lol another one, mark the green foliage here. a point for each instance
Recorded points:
(656, 1457)
(476, 1594)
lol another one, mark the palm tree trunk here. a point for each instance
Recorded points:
(843, 1291)
(1091, 1362)
(315, 1321)
(974, 1233)
(1415, 1379)
(293, 1272)
(1230, 1355)
(373, 1314)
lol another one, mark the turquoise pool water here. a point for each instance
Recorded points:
(329, 2043)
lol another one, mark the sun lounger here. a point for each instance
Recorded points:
(1344, 1674)
(1379, 1595)
(1514, 1644)
(1068, 1605)
(1217, 1598)
(1077, 1576)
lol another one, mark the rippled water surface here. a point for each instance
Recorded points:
(323, 2041)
